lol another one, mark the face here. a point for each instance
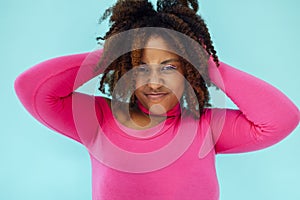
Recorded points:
(160, 80)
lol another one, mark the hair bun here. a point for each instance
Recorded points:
(167, 5)
(129, 9)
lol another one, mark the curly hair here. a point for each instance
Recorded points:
(177, 15)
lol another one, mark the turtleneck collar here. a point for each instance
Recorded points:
(174, 112)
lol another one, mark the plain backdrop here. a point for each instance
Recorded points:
(259, 37)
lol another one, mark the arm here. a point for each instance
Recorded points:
(265, 114)
(47, 92)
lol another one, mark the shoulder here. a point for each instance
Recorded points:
(212, 115)
(118, 109)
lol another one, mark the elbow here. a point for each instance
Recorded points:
(288, 123)
(23, 89)
(272, 133)
(291, 117)
(294, 118)
(287, 119)
(18, 85)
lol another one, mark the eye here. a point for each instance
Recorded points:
(142, 69)
(168, 68)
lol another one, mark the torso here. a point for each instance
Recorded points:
(135, 119)
(163, 166)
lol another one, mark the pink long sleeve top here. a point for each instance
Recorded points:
(174, 160)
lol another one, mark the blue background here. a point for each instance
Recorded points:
(259, 37)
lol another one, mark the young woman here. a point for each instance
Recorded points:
(156, 137)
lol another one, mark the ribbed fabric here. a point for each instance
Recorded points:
(174, 160)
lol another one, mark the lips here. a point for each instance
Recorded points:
(155, 96)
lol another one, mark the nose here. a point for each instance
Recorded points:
(154, 81)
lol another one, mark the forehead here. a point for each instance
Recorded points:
(156, 42)
(157, 49)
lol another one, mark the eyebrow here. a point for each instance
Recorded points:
(167, 61)
(170, 60)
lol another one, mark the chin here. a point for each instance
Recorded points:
(158, 109)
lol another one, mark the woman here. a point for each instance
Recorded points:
(156, 138)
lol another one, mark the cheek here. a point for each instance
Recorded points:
(177, 86)
(139, 83)
(180, 92)
(138, 91)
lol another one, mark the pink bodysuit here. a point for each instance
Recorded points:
(174, 160)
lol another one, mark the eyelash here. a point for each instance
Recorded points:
(168, 68)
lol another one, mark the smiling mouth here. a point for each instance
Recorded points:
(155, 96)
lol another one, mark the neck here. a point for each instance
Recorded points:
(174, 112)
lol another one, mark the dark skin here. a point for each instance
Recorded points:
(160, 83)
(137, 120)
(178, 15)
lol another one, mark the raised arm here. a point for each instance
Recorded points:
(47, 92)
(265, 114)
